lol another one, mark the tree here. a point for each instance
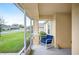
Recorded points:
(1, 23)
(1, 20)
(21, 26)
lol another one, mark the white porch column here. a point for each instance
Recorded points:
(24, 30)
(31, 32)
(75, 29)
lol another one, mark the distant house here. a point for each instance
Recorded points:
(15, 26)
(5, 27)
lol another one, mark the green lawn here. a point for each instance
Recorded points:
(12, 42)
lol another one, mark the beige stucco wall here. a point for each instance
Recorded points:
(63, 30)
(75, 29)
(36, 32)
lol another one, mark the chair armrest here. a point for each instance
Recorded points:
(47, 40)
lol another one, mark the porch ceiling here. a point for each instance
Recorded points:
(52, 8)
(31, 9)
(35, 10)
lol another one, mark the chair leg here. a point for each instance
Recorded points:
(49, 46)
(46, 46)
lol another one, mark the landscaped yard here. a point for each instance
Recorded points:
(12, 42)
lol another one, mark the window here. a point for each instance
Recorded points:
(28, 31)
(42, 25)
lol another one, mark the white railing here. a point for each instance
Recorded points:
(22, 51)
(26, 51)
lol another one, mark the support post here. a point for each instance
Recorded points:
(24, 30)
(30, 32)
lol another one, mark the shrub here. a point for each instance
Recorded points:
(42, 34)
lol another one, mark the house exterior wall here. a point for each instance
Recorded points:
(36, 32)
(63, 30)
(75, 28)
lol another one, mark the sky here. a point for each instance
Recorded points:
(12, 14)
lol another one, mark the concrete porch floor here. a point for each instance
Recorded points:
(41, 50)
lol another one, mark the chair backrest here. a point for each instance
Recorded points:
(47, 37)
(50, 37)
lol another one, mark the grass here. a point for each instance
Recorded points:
(12, 42)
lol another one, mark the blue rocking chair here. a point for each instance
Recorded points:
(47, 39)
